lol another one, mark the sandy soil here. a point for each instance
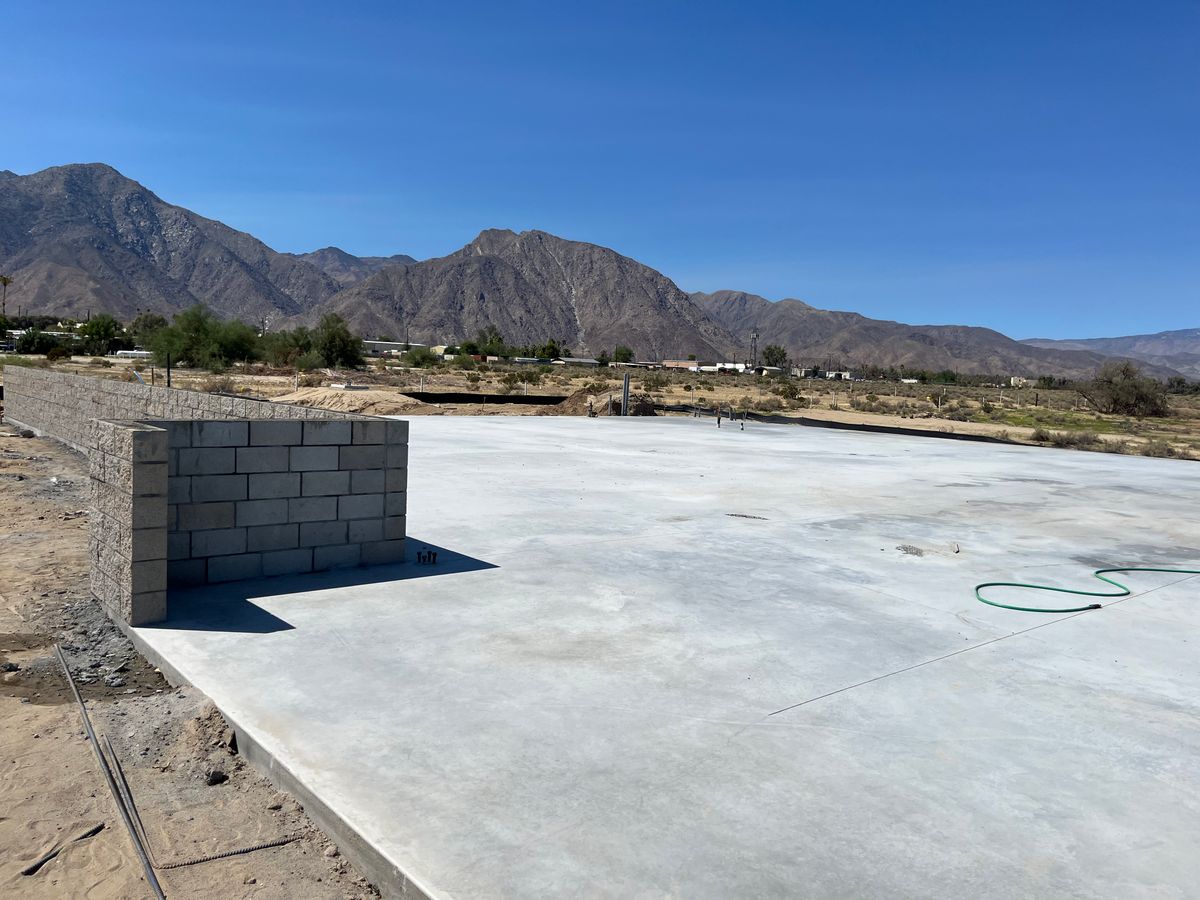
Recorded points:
(168, 740)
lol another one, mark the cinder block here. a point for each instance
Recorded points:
(312, 509)
(362, 530)
(396, 504)
(396, 431)
(396, 480)
(147, 607)
(148, 512)
(287, 562)
(148, 576)
(327, 433)
(148, 543)
(397, 456)
(313, 459)
(206, 461)
(275, 433)
(325, 484)
(179, 489)
(187, 572)
(218, 542)
(361, 456)
(360, 506)
(393, 527)
(315, 534)
(368, 432)
(379, 553)
(274, 484)
(234, 568)
(150, 479)
(179, 546)
(262, 459)
(179, 434)
(341, 557)
(209, 488)
(196, 516)
(262, 512)
(273, 537)
(220, 434)
(367, 481)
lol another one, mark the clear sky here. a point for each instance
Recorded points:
(1029, 166)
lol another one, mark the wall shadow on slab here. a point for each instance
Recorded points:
(229, 607)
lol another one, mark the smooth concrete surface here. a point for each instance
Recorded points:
(583, 697)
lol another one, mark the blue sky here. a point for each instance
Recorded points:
(1031, 167)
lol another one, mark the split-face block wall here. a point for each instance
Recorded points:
(205, 500)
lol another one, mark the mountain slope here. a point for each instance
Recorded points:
(1179, 350)
(84, 237)
(346, 269)
(533, 287)
(827, 337)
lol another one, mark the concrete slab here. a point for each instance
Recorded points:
(658, 659)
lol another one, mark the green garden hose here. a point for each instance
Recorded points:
(1122, 591)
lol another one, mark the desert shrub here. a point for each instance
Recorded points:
(310, 381)
(58, 353)
(473, 379)
(307, 362)
(218, 384)
(103, 363)
(1161, 449)
(1121, 388)
(1041, 435)
(654, 382)
(769, 404)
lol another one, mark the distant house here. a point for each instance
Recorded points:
(1018, 381)
(842, 375)
(767, 370)
(807, 372)
(910, 380)
(387, 348)
(574, 361)
(690, 364)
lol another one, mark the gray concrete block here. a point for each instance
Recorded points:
(397, 456)
(367, 481)
(361, 530)
(262, 459)
(273, 537)
(179, 546)
(396, 431)
(179, 489)
(360, 506)
(325, 484)
(197, 516)
(287, 562)
(361, 456)
(396, 480)
(369, 432)
(207, 488)
(149, 512)
(179, 434)
(262, 512)
(150, 479)
(312, 509)
(148, 576)
(393, 527)
(312, 459)
(314, 534)
(220, 434)
(275, 433)
(206, 461)
(234, 568)
(148, 543)
(396, 504)
(378, 553)
(274, 484)
(218, 542)
(327, 433)
(342, 557)
(147, 607)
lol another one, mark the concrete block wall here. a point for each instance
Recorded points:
(192, 488)
(60, 405)
(128, 536)
(251, 498)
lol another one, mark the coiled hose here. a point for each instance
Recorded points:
(1122, 590)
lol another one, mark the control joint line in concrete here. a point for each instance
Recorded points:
(995, 640)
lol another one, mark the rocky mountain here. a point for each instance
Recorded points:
(84, 237)
(533, 287)
(1178, 350)
(346, 269)
(826, 337)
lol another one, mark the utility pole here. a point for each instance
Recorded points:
(754, 348)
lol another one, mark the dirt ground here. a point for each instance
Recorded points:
(170, 741)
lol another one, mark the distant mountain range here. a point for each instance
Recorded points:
(84, 238)
(1178, 350)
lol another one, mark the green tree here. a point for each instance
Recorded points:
(1120, 387)
(284, 348)
(622, 354)
(99, 333)
(144, 325)
(775, 355)
(334, 342)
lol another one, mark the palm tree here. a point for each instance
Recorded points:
(5, 281)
